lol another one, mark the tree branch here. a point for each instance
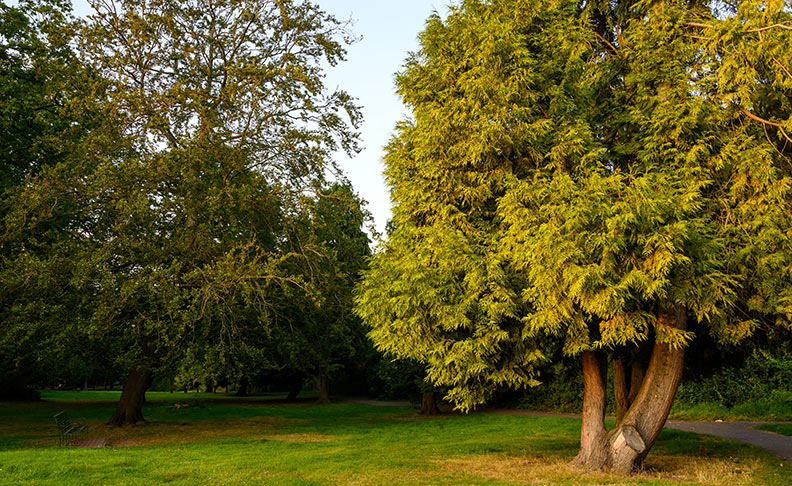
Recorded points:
(615, 51)
(763, 121)
(774, 26)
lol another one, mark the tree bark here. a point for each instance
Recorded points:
(624, 448)
(593, 435)
(636, 378)
(621, 388)
(429, 404)
(130, 407)
(324, 389)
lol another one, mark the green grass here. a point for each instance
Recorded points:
(261, 441)
(783, 429)
(773, 408)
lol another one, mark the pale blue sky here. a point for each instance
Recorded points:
(389, 30)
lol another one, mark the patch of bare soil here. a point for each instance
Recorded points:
(159, 433)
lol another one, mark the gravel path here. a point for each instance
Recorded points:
(740, 431)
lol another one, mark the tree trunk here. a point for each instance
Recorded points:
(244, 384)
(636, 378)
(130, 407)
(593, 436)
(324, 389)
(624, 448)
(429, 404)
(295, 389)
(621, 389)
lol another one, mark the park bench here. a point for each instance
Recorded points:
(69, 430)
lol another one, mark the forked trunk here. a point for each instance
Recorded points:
(324, 389)
(429, 404)
(624, 448)
(130, 407)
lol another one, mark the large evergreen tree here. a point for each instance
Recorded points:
(613, 177)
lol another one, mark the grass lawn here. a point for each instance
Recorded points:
(263, 441)
(776, 407)
(783, 429)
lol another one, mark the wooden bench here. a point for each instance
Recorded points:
(69, 430)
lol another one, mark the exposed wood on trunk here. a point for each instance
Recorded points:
(624, 448)
(649, 411)
(429, 404)
(130, 407)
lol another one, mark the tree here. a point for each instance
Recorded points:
(216, 121)
(42, 121)
(609, 177)
(318, 334)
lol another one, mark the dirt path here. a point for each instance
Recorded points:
(740, 431)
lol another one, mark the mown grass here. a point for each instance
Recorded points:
(255, 441)
(783, 429)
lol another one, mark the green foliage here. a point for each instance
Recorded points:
(760, 376)
(43, 119)
(165, 231)
(572, 172)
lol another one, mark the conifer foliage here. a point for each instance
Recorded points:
(612, 177)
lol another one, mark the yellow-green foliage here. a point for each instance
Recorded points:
(571, 169)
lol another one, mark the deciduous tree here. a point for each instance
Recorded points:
(216, 121)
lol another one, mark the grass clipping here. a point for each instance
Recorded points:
(546, 471)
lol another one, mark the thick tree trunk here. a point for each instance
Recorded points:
(130, 408)
(593, 436)
(429, 404)
(624, 448)
(324, 389)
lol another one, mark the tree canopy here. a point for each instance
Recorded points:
(215, 131)
(610, 177)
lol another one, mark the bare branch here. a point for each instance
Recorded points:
(763, 121)
(612, 48)
(774, 26)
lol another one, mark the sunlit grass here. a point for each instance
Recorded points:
(264, 442)
(783, 429)
(777, 407)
